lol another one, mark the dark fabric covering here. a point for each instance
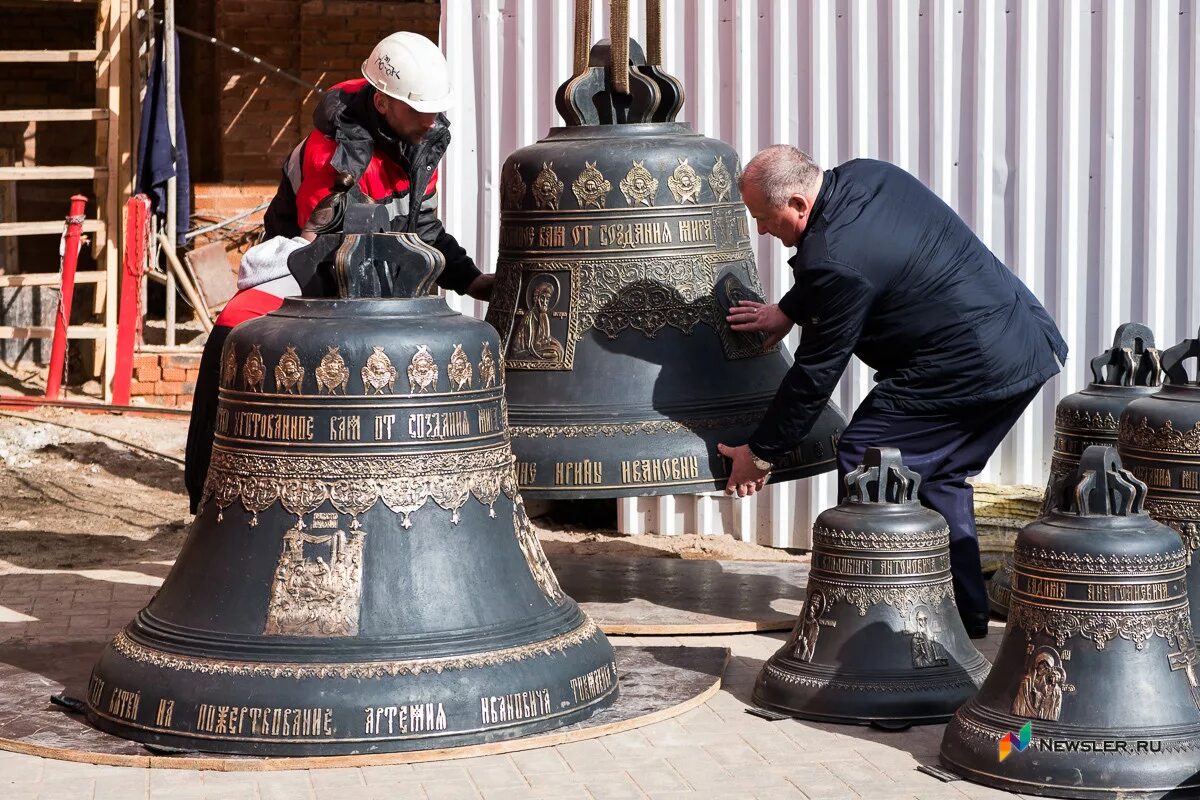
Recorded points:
(157, 160)
(944, 448)
(888, 272)
(347, 115)
(201, 429)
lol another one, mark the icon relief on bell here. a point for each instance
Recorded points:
(378, 373)
(639, 186)
(422, 372)
(459, 369)
(547, 188)
(289, 373)
(533, 337)
(684, 183)
(927, 651)
(317, 595)
(810, 625)
(1040, 695)
(253, 370)
(332, 373)
(591, 187)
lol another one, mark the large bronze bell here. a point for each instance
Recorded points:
(1095, 690)
(361, 576)
(1130, 369)
(623, 242)
(1160, 444)
(879, 639)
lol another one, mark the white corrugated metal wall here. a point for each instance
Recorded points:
(1064, 131)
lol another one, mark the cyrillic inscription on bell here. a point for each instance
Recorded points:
(879, 639)
(1159, 442)
(623, 242)
(1098, 662)
(362, 575)
(1129, 370)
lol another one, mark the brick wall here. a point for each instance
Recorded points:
(164, 379)
(262, 116)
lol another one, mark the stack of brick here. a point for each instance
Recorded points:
(164, 379)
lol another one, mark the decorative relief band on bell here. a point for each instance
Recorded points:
(379, 374)
(1086, 421)
(648, 428)
(1044, 587)
(354, 485)
(1174, 626)
(1165, 439)
(850, 685)
(134, 651)
(547, 307)
(876, 566)
(864, 596)
(874, 541)
(1098, 563)
(591, 188)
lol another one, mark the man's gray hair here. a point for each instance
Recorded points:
(781, 171)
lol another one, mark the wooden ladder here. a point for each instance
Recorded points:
(112, 175)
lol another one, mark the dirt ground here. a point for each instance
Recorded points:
(105, 491)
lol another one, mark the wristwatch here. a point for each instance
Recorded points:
(766, 466)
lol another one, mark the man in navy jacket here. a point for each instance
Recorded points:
(886, 271)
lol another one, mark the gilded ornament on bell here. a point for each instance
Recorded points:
(459, 369)
(591, 187)
(422, 371)
(487, 367)
(639, 186)
(253, 371)
(289, 373)
(229, 368)
(684, 183)
(720, 180)
(378, 373)
(547, 188)
(512, 188)
(332, 373)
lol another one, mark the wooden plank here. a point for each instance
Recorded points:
(51, 173)
(52, 114)
(73, 332)
(46, 56)
(49, 278)
(53, 226)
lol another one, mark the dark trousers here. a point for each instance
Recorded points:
(945, 448)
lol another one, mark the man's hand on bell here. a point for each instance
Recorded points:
(481, 287)
(751, 317)
(744, 478)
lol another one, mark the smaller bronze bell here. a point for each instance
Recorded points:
(1130, 369)
(879, 640)
(1096, 675)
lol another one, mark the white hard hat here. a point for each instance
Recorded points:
(412, 69)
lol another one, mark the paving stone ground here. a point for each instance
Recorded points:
(712, 752)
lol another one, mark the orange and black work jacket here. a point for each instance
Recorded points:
(351, 136)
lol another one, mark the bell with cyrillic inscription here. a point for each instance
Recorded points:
(1160, 444)
(879, 640)
(1095, 692)
(623, 243)
(1129, 370)
(362, 576)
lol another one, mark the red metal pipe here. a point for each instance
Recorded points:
(129, 318)
(70, 260)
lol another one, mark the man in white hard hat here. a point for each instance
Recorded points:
(388, 130)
